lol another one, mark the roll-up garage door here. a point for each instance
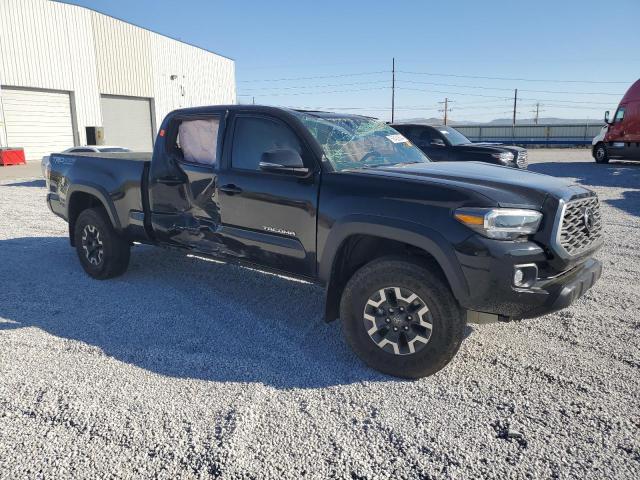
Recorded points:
(127, 122)
(38, 121)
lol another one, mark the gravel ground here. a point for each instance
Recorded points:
(187, 368)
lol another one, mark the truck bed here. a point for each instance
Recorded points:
(135, 156)
(118, 180)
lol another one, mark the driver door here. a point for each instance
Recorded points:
(268, 218)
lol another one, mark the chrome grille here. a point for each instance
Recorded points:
(580, 229)
(521, 160)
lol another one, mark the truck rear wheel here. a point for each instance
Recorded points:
(401, 317)
(102, 252)
(600, 153)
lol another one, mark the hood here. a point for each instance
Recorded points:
(507, 187)
(489, 147)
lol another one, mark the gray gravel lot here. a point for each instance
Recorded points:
(187, 368)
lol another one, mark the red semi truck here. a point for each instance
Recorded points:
(620, 139)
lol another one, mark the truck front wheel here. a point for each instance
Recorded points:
(102, 252)
(600, 153)
(401, 318)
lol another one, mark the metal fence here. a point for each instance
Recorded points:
(554, 134)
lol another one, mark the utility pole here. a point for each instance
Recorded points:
(393, 88)
(253, 100)
(446, 109)
(537, 112)
(515, 105)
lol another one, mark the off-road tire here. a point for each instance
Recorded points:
(426, 281)
(114, 258)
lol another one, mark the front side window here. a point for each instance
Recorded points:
(351, 142)
(619, 115)
(198, 140)
(255, 136)
(421, 136)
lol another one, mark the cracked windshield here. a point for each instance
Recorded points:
(360, 142)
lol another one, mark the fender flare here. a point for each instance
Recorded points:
(405, 231)
(101, 194)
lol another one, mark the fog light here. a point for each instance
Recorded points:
(525, 275)
(518, 277)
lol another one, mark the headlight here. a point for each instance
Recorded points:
(504, 157)
(500, 223)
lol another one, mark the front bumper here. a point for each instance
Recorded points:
(567, 288)
(489, 268)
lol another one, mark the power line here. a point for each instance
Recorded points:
(315, 93)
(505, 89)
(377, 82)
(505, 98)
(297, 87)
(513, 79)
(313, 78)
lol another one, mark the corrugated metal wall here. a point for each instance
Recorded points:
(553, 134)
(49, 45)
(123, 57)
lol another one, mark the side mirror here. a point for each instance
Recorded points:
(437, 142)
(283, 160)
(606, 116)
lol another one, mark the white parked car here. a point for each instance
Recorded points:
(84, 149)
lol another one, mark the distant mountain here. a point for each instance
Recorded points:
(427, 121)
(543, 120)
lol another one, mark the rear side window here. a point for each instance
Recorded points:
(82, 150)
(255, 135)
(197, 141)
(619, 115)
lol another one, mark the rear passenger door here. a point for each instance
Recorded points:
(268, 217)
(183, 183)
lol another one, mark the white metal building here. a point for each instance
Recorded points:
(64, 68)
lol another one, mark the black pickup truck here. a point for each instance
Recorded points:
(407, 250)
(446, 144)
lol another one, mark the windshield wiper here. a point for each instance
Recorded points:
(399, 164)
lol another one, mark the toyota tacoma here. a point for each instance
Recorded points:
(408, 251)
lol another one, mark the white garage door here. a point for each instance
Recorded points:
(127, 122)
(39, 121)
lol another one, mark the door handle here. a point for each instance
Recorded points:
(171, 181)
(230, 189)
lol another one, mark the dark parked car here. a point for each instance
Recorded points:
(444, 143)
(408, 250)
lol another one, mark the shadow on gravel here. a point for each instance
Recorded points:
(31, 183)
(590, 174)
(180, 316)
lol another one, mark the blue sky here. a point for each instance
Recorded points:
(337, 54)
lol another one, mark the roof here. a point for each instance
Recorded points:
(633, 94)
(143, 28)
(415, 124)
(263, 108)
(323, 114)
